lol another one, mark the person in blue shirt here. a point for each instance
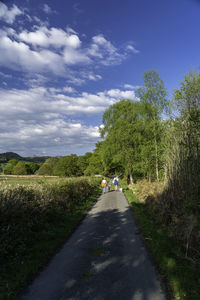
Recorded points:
(116, 183)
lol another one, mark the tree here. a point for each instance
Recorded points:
(123, 129)
(48, 166)
(83, 162)
(183, 166)
(20, 169)
(153, 95)
(9, 167)
(96, 165)
(33, 167)
(67, 166)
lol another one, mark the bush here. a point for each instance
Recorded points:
(25, 210)
(34, 220)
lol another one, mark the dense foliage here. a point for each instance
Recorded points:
(140, 144)
(66, 166)
(16, 167)
(24, 210)
(145, 140)
(133, 132)
(34, 214)
(178, 272)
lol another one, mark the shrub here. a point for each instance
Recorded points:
(26, 210)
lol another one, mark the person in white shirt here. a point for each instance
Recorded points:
(104, 184)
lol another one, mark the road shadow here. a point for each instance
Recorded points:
(103, 259)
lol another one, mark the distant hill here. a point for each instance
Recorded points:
(5, 157)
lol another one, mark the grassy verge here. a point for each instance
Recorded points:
(181, 278)
(33, 246)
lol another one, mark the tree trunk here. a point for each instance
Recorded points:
(156, 150)
(131, 178)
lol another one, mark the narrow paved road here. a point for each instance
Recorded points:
(103, 259)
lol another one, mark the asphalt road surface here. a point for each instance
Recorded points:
(103, 259)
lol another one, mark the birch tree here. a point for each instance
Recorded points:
(153, 95)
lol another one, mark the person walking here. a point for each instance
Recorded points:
(104, 184)
(116, 183)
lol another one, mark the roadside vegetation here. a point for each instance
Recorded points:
(154, 146)
(35, 219)
(179, 273)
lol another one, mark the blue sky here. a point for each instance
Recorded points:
(62, 63)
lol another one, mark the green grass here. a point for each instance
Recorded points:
(181, 278)
(13, 181)
(19, 269)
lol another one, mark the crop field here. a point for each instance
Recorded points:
(11, 181)
(36, 216)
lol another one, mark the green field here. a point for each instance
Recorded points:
(10, 181)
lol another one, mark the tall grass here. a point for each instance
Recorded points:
(179, 274)
(34, 219)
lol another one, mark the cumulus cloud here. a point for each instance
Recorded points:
(40, 120)
(45, 49)
(9, 15)
(44, 120)
(68, 89)
(19, 56)
(116, 93)
(40, 102)
(73, 57)
(45, 37)
(54, 137)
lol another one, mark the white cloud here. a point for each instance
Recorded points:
(132, 49)
(36, 80)
(45, 37)
(100, 40)
(19, 56)
(60, 52)
(40, 119)
(72, 57)
(54, 137)
(68, 89)
(9, 15)
(5, 75)
(75, 80)
(71, 30)
(39, 102)
(47, 9)
(38, 21)
(16, 51)
(105, 51)
(91, 76)
(132, 87)
(116, 93)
